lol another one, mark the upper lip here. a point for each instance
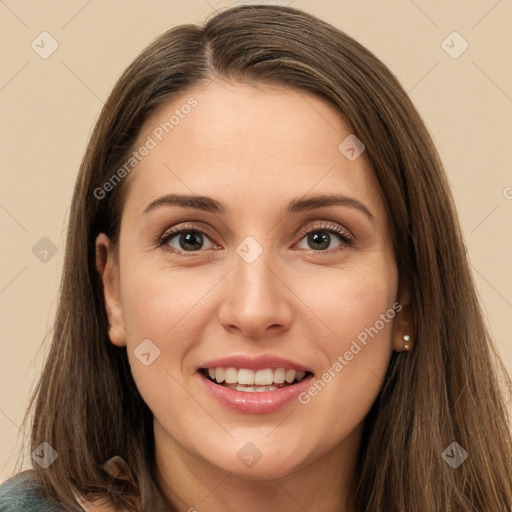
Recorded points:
(255, 363)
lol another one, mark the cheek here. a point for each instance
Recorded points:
(358, 344)
(164, 304)
(359, 352)
(351, 299)
(165, 313)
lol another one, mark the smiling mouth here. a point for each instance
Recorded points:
(269, 379)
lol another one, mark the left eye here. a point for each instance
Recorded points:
(322, 239)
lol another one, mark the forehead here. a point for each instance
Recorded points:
(247, 144)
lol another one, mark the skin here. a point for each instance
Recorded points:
(254, 148)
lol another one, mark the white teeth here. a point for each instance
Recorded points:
(264, 377)
(246, 377)
(231, 375)
(279, 375)
(251, 389)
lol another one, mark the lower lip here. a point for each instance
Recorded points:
(263, 402)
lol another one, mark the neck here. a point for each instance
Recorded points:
(193, 484)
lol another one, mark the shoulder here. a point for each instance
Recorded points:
(21, 493)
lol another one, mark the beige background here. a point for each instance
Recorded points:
(49, 107)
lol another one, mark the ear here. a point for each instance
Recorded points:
(404, 323)
(108, 271)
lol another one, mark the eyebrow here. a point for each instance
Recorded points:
(209, 204)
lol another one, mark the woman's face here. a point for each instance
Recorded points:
(245, 173)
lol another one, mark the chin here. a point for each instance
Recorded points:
(259, 460)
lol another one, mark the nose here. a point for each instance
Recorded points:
(257, 302)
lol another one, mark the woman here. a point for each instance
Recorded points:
(266, 301)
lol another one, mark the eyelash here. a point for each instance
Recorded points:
(345, 238)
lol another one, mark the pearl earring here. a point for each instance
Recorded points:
(406, 338)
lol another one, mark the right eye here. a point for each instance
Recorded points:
(184, 239)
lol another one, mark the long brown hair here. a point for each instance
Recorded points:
(86, 404)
